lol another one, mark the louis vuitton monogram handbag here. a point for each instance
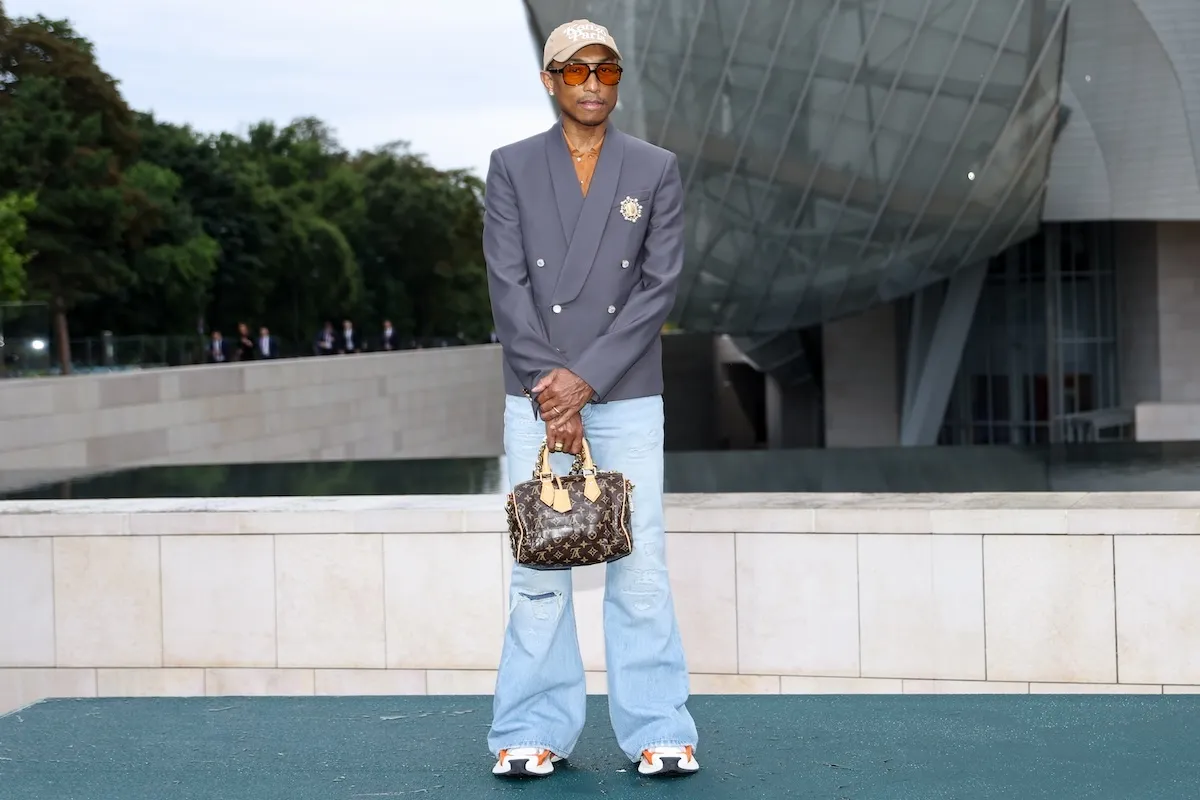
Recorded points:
(574, 520)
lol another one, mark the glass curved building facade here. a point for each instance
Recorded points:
(836, 154)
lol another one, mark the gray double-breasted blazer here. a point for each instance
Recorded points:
(580, 282)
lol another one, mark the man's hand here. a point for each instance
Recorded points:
(562, 394)
(569, 433)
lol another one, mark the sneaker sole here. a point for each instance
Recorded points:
(670, 768)
(517, 768)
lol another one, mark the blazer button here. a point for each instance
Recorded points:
(625, 264)
(612, 309)
(541, 263)
(557, 309)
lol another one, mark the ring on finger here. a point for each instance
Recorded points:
(558, 446)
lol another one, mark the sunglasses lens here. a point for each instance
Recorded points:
(609, 74)
(575, 74)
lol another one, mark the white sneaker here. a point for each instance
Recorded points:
(668, 761)
(525, 762)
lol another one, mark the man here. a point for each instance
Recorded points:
(387, 340)
(245, 345)
(218, 351)
(325, 341)
(583, 237)
(347, 343)
(266, 344)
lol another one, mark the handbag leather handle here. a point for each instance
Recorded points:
(583, 461)
(583, 466)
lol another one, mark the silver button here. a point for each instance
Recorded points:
(557, 309)
(624, 265)
(541, 263)
(612, 309)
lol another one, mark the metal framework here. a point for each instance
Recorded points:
(837, 153)
(1040, 364)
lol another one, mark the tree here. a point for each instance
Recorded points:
(65, 134)
(420, 244)
(172, 257)
(139, 225)
(13, 210)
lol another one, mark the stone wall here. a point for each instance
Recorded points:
(444, 402)
(1167, 402)
(1062, 592)
(862, 406)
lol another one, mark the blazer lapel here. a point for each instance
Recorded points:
(568, 197)
(596, 211)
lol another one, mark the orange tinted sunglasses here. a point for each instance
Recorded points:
(577, 74)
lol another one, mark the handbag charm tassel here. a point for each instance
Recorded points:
(555, 495)
(562, 500)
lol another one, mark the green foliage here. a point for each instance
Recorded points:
(13, 210)
(141, 226)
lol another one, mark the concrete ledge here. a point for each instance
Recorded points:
(775, 593)
(440, 402)
(1014, 513)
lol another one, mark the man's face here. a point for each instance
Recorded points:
(590, 102)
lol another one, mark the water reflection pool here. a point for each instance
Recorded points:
(1134, 466)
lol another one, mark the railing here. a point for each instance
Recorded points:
(34, 356)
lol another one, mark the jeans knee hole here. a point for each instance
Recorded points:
(544, 606)
(642, 587)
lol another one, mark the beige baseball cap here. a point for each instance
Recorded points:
(571, 37)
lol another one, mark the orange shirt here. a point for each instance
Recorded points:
(585, 163)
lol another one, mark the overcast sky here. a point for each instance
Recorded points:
(375, 70)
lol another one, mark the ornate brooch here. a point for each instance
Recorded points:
(631, 209)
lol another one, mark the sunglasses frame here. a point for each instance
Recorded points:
(591, 71)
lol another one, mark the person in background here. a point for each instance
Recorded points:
(217, 351)
(244, 350)
(387, 339)
(268, 347)
(348, 342)
(326, 341)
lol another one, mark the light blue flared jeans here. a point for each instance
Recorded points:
(540, 694)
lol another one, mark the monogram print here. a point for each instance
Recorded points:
(589, 533)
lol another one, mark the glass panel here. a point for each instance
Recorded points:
(1046, 327)
(837, 154)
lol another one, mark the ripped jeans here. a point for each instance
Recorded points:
(540, 694)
